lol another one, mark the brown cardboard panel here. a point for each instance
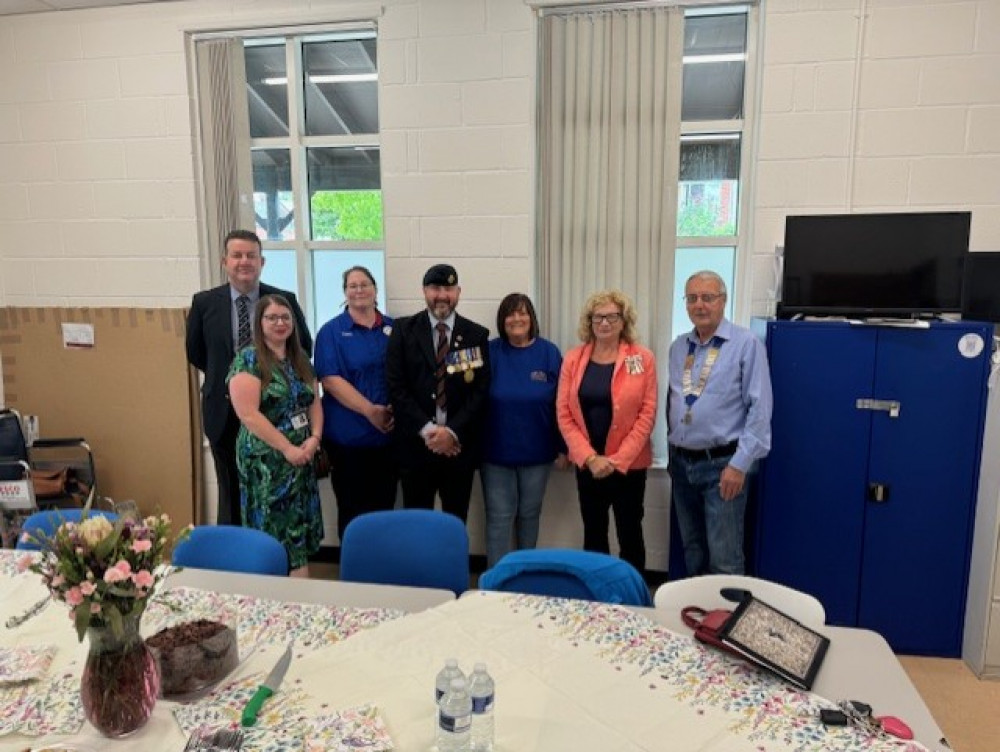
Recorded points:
(129, 396)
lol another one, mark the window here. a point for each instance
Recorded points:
(312, 104)
(712, 127)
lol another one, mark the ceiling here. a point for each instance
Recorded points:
(14, 7)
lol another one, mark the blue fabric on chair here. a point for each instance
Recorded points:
(568, 573)
(418, 547)
(47, 522)
(231, 548)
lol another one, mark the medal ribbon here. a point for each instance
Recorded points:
(691, 392)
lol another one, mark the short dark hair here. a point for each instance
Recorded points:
(240, 235)
(512, 303)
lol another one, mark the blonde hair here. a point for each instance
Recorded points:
(586, 332)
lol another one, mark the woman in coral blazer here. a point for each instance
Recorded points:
(606, 407)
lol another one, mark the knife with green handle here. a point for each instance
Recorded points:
(268, 688)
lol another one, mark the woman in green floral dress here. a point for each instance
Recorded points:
(273, 390)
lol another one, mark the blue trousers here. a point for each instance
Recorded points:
(711, 529)
(512, 495)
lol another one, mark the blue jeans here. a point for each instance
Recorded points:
(512, 493)
(711, 529)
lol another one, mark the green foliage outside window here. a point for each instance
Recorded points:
(347, 215)
(701, 219)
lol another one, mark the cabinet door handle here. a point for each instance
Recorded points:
(878, 492)
(890, 406)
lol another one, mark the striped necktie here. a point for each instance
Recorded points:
(442, 352)
(244, 335)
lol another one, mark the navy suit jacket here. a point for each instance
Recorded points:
(209, 343)
(410, 366)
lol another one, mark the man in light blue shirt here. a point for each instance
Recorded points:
(719, 422)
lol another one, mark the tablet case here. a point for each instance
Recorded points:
(775, 641)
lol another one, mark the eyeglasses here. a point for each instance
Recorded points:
(705, 297)
(607, 318)
(274, 318)
(359, 286)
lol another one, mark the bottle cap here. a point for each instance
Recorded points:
(480, 667)
(451, 663)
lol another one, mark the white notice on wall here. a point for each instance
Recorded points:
(78, 336)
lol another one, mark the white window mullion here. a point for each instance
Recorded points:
(299, 171)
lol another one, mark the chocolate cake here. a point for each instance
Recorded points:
(193, 655)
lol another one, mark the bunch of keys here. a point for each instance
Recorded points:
(859, 715)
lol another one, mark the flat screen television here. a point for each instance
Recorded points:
(981, 288)
(866, 265)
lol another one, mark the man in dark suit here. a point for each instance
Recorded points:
(439, 379)
(219, 324)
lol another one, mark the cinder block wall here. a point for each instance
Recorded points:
(864, 105)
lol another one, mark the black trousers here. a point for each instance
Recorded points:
(224, 455)
(451, 477)
(364, 479)
(623, 492)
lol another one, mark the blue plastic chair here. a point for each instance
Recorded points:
(568, 573)
(47, 522)
(231, 548)
(417, 547)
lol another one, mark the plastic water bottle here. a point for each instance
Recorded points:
(454, 719)
(443, 681)
(481, 690)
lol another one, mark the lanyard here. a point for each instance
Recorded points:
(693, 391)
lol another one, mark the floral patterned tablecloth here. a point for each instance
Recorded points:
(50, 706)
(570, 675)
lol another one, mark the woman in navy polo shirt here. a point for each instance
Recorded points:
(522, 438)
(357, 417)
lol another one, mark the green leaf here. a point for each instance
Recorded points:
(114, 619)
(81, 618)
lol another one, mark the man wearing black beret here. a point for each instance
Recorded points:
(439, 379)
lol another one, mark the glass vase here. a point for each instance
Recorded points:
(120, 681)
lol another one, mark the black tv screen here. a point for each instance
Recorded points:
(981, 290)
(874, 264)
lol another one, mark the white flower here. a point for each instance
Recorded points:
(95, 529)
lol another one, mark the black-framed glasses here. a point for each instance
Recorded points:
(705, 297)
(607, 318)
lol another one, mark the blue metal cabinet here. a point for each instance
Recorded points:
(867, 498)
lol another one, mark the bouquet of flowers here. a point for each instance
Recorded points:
(103, 570)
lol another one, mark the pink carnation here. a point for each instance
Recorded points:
(124, 566)
(58, 580)
(141, 546)
(87, 587)
(114, 574)
(143, 578)
(74, 597)
(25, 561)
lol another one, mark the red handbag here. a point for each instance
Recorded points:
(707, 624)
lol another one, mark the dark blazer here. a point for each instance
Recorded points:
(409, 369)
(209, 343)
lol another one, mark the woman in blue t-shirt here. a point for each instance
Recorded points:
(350, 363)
(522, 438)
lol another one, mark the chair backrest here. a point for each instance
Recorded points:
(231, 548)
(48, 521)
(705, 592)
(12, 448)
(568, 573)
(418, 547)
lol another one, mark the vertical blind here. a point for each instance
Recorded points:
(608, 135)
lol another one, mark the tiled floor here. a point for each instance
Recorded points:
(966, 708)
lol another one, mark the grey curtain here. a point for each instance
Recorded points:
(607, 162)
(225, 139)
